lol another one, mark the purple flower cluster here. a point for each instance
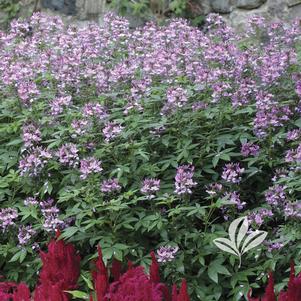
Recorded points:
(7, 218)
(68, 155)
(131, 106)
(244, 93)
(150, 187)
(293, 155)
(88, 166)
(280, 173)
(214, 189)
(31, 201)
(249, 149)
(259, 216)
(80, 127)
(51, 216)
(183, 180)
(232, 173)
(176, 98)
(234, 198)
(270, 114)
(199, 105)
(31, 135)
(292, 210)
(28, 92)
(111, 131)
(58, 104)
(275, 246)
(276, 196)
(293, 135)
(94, 109)
(25, 234)
(34, 161)
(110, 185)
(167, 253)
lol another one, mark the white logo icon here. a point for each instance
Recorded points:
(240, 242)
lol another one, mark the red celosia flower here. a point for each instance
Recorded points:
(4, 296)
(269, 292)
(183, 293)
(116, 269)
(165, 291)
(135, 285)
(130, 265)
(100, 277)
(60, 271)
(10, 291)
(283, 296)
(294, 287)
(6, 289)
(50, 292)
(154, 269)
(22, 293)
(60, 265)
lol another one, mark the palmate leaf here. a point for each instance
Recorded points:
(226, 245)
(238, 230)
(242, 232)
(233, 228)
(253, 240)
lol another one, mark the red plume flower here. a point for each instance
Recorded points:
(15, 292)
(294, 287)
(22, 293)
(50, 292)
(135, 285)
(165, 291)
(116, 269)
(154, 269)
(5, 290)
(100, 277)
(60, 271)
(183, 293)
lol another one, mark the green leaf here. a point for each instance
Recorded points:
(69, 232)
(212, 273)
(88, 282)
(79, 294)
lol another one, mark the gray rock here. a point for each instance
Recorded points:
(67, 7)
(203, 7)
(295, 12)
(221, 6)
(292, 3)
(239, 17)
(278, 10)
(250, 4)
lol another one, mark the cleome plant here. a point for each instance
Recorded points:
(161, 137)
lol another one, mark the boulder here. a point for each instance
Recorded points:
(295, 12)
(221, 6)
(249, 4)
(67, 7)
(292, 3)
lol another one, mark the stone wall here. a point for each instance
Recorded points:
(235, 11)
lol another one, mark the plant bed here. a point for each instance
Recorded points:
(154, 138)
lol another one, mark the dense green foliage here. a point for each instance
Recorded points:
(81, 106)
